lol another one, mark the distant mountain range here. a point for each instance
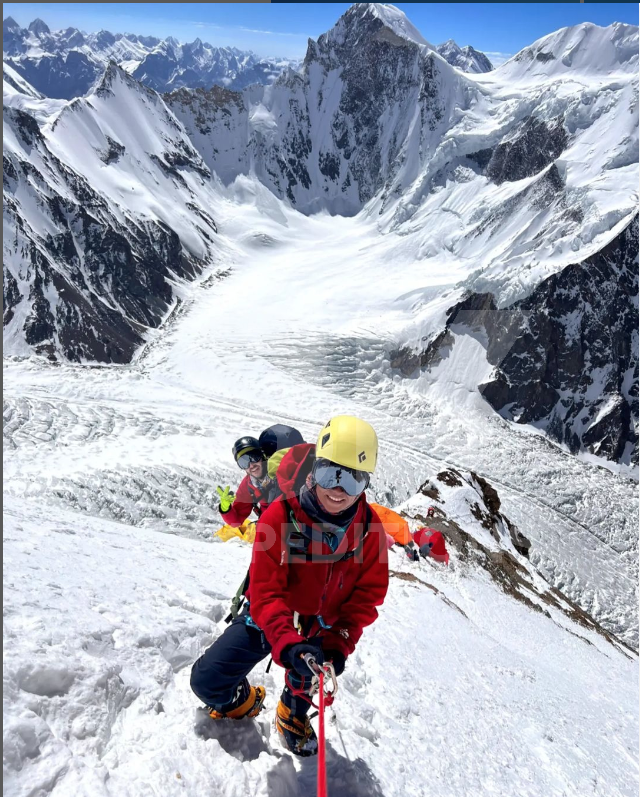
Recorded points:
(66, 63)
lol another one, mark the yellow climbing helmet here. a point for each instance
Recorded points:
(348, 441)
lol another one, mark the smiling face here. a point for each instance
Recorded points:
(333, 501)
(256, 469)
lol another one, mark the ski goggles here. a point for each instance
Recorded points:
(248, 458)
(328, 474)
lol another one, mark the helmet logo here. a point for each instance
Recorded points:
(362, 456)
(325, 440)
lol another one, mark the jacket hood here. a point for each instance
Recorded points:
(294, 468)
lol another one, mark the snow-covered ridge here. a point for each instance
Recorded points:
(582, 49)
(468, 514)
(109, 208)
(13, 83)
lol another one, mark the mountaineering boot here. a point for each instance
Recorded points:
(248, 704)
(297, 733)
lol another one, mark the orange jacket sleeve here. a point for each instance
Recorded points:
(394, 524)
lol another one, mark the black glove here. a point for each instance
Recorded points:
(291, 657)
(337, 659)
(412, 551)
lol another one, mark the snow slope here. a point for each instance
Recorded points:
(149, 442)
(295, 318)
(456, 689)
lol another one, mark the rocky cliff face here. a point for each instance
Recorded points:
(337, 133)
(85, 276)
(566, 357)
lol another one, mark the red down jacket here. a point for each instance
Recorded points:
(247, 496)
(344, 593)
(435, 539)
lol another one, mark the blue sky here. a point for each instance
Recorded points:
(283, 28)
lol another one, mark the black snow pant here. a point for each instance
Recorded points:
(219, 676)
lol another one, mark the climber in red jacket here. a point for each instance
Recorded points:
(318, 572)
(253, 492)
(431, 544)
(257, 490)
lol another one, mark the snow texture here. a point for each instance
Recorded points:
(102, 623)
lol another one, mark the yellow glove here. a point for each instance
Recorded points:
(226, 498)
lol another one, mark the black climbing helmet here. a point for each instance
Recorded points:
(247, 448)
(279, 436)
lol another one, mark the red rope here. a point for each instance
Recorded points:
(297, 692)
(322, 764)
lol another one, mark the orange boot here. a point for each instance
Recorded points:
(250, 707)
(297, 733)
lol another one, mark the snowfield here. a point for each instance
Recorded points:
(456, 689)
(301, 329)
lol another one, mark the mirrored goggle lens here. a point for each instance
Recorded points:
(329, 475)
(244, 460)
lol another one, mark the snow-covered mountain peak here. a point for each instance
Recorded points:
(396, 20)
(39, 27)
(586, 48)
(115, 75)
(373, 21)
(9, 23)
(467, 58)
